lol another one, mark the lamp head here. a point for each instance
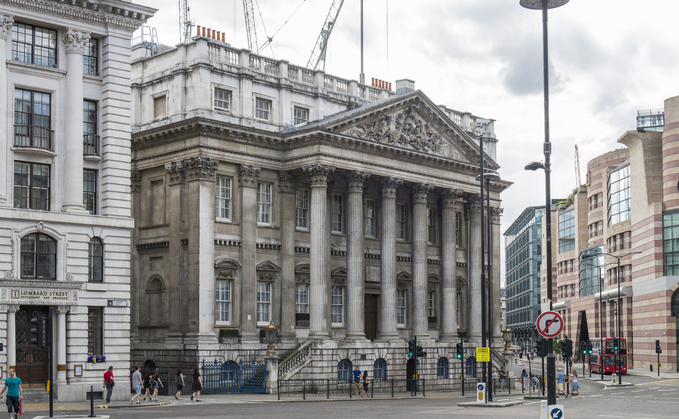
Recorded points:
(488, 177)
(533, 166)
(537, 4)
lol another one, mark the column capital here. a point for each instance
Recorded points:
(355, 181)
(200, 168)
(248, 175)
(76, 41)
(318, 173)
(474, 202)
(495, 214)
(12, 308)
(135, 181)
(449, 197)
(286, 182)
(6, 22)
(63, 309)
(175, 171)
(389, 187)
(420, 192)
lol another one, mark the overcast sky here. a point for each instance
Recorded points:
(608, 59)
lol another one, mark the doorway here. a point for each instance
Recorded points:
(31, 361)
(370, 316)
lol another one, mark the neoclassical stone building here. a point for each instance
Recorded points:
(346, 215)
(65, 222)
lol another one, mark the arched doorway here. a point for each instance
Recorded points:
(31, 361)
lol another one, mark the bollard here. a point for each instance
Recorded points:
(91, 402)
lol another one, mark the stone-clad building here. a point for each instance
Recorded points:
(263, 192)
(65, 222)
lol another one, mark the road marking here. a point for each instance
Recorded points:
(669, 389)
(619, 392)
(636, 391)
(612, 416)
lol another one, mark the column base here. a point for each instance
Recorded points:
(355, 336)
(74, 209)
(388, 336)
(450, 338)
(318, 336)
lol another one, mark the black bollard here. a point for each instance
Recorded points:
(91, 402)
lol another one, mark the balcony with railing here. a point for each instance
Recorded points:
(33, 136)
(651, 119)
(91, 145)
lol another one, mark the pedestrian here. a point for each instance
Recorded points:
(503, 377)
(138, 384)
(366, 382)
(560, 380)
(494, 377)
(197, 385)
(576, 386)
(156, 384)
(147, 386)
(524, 379)
(357, 380)
(15, 393)
(180, 383)
(109, 382)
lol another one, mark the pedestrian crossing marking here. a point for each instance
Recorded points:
(674, 382)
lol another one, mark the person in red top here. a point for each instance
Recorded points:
(109, 383)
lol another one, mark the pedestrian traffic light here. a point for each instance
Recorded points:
(38, 331)
(657, 347)
(411, 347)
(459, 350)
(420, 352)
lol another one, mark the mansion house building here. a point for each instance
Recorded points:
(346, 215)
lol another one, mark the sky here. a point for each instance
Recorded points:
(608, 59)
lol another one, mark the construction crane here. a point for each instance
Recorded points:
(318, 53)
(185, 23)
(577, 167)
(249, 12)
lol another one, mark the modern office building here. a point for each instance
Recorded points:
(346, 215)
(65, 220)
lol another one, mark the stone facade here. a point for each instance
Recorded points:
(344, 214)
(64, 193)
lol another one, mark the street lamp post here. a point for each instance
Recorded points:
(544, 5)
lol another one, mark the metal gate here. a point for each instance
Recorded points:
(232, 377)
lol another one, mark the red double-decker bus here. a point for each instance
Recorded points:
(604, 356)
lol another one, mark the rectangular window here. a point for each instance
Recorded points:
(159, 107)
(302, 298)
(222, 99)
(95, 331)
(458, 224)
(337, 306)
(431, 225)
(302, 208)
(301, 116)
(263, 109)
(31, 186)
(401, 307)
(619, 197)
(95, 266)
(34, 45)
(264, 203)
(567, 231)
(32, 119)
(263, 303)
(90, 137)
(370, 218)
(91, 58)
(431, 304)
(337, 213)
(90, 190)
(223, 300)
(401, 224)
(223, 197)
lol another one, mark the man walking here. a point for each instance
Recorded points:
(137, 384)
(109, 383)
(15, 394)
(560, 380)
(357, 380)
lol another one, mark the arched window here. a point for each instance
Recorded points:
(380, 369)
(95, 269)
(442, 368)
(38, 257)
(675, 303)
(344, 370)
(470, 364)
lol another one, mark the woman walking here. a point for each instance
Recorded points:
(180, 383)
(156, 384)
(576, 386)
(197, 385)
(366, 382)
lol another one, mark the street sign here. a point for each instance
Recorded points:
(480, 392)
(549, 324)
(556, 411)
(482, 354)
(534, 382)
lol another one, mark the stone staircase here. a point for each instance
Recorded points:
(297, 359)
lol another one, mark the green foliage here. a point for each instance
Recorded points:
(228, 333)
(557, 345)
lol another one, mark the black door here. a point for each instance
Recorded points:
(370, 317)
(31, 361)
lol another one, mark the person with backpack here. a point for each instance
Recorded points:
(180, 383)
(156, 383)
(109, 383)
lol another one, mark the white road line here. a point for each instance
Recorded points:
(654, 388)
(669, 389)
(617, 392)
(636, 391)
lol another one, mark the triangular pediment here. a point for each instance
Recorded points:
(410, 122)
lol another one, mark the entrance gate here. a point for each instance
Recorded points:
(232, 377)
(31, 361)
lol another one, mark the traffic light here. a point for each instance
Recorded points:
(583, 347)
(589, 348)
(38, 331)
(538, 348)
(420, 352)
(459, 350)
(569, 348)
(411, 347)
(615, 344)
(657, 347)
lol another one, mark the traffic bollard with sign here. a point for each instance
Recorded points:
(480, 392)
(556, 412)
(544, 413)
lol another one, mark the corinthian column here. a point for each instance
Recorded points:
(420, 321)
(494, 257)
(75, 43)
(475, 267)
(355, 235)
(449, 266)
(388, 260)
(248, 249)
(319, 252)
(286, 189)
(61, 344)
(6, 22)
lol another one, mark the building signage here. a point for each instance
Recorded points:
(483, 354)
(33, 294)
(117, 303)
